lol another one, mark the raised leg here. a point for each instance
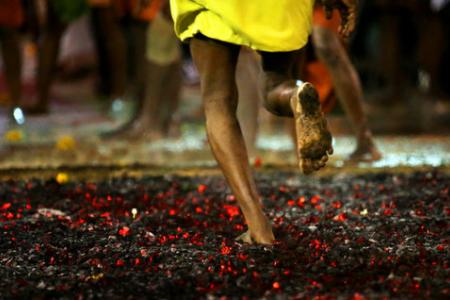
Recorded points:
(279, 84)
(290, 98)
(346, 82)
(216, 63)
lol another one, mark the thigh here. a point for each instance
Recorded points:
(216, 62)
(282, 63)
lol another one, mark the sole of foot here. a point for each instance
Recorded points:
(314, 141)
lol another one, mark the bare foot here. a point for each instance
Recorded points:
(133, 130)
(261, 234)
(366, 150)
(313, 137)
(366, 154)
(143, 130)
(247, 238)
(119, 132)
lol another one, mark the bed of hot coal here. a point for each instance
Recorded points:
(347, 237)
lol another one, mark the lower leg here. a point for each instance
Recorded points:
(279, 85)
(148, 123)
(112, 42)
(160, 102)
(291, 98)
(104, 86)
(250, 95)
(216, 63)
(347, 86)
(48, 55)
(137, 62)
(134, 34)
(171, 94)
(112, 46)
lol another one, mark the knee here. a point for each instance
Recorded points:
(277, 90)
(271, 106)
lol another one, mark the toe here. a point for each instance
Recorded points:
(314, 151)
(245, 238)
(321, 163)
(306, 166)
(330, 150)
(318, 164)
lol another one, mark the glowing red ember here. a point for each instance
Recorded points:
(6, 205)
(258, 162)
(225, 250)
(120, 263)
(231, 210)
(201, 188)
(124, 231)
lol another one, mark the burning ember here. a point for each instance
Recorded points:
(355, 237)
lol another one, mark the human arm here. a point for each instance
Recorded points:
(348, 12)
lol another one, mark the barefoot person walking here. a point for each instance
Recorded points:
(216, 30)
(340, 78)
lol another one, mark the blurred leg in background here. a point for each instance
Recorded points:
(432, 43)
(111, 51)
(332, 53)
(163, 83)
(53, 18)
(125, 46)
(135, 32)
(11, 18)
(49, 46)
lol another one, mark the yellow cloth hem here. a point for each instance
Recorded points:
(272, 26)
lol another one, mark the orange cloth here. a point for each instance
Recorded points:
(318, 75)
(316, 72)
(145, 13)
(11, 13)
(320, 19)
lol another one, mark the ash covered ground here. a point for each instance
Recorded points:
(368, 236)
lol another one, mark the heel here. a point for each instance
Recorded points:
(309, 99)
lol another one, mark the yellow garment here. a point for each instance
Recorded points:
(266, 25)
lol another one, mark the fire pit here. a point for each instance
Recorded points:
(347, 237)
